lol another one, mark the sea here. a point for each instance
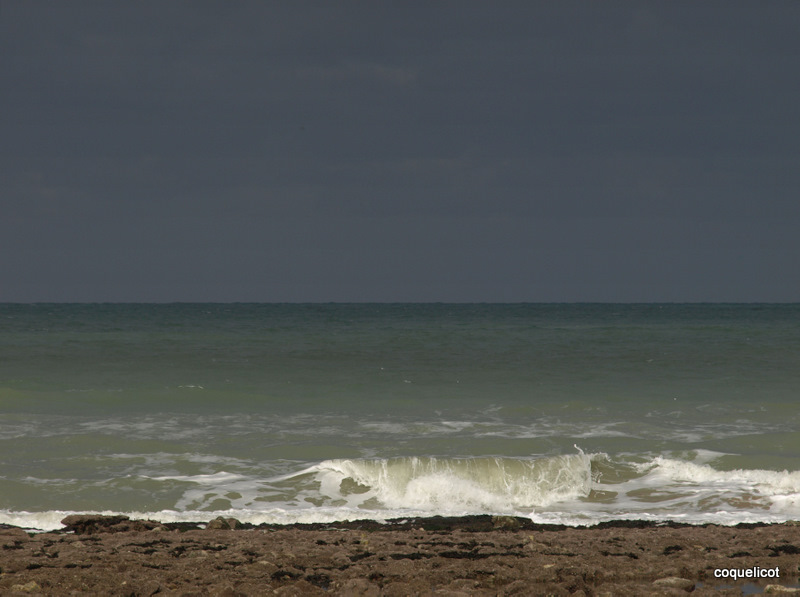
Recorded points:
(282, 413)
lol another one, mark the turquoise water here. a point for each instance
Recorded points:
(281, 413)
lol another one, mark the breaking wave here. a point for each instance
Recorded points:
(697, 486)
(463, 485)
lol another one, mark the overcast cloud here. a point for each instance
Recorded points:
(400, 151)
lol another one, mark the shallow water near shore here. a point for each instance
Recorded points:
(284, 413)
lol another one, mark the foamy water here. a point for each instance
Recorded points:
(578, 489)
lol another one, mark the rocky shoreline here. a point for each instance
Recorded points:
(473, 555)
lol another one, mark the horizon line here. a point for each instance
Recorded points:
(699, 302)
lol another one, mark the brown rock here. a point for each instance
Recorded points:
(147, 589)
(675, 582)
(28, 587)
(452, 556)
(506, 522)
(230, 592)
(222, 524)
(12, 533)
(397, 589)
(360, 587)
(86, 524)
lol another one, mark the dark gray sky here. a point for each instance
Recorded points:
(400, 151)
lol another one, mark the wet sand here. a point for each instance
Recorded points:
(477, 555)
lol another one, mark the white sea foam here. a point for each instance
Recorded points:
(220, 478)
(428, 428)
(51, 520)
(474, 485)
(376, 489)
(669, 471)
(575, 489)
(689, 488)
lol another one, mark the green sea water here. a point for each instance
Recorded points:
(313, 412)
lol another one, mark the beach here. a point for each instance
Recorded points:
(475, 449)
(476, 555)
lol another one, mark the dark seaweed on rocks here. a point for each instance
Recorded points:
(479, 555)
